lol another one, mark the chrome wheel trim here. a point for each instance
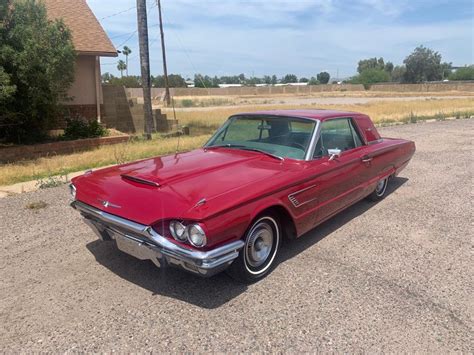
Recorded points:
(261, 245)
(381, 186)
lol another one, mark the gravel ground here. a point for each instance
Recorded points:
(388, 277)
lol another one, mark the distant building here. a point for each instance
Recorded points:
(91, 42)
(291, 84)
(230, 85)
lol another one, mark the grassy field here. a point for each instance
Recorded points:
(105, 155)
(380, 111)
(203, 121)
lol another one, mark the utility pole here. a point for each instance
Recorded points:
(145, 66)
(163, 50)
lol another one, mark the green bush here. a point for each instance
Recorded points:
(77, 128)
(370, 76)
(464, 73)
(36, 69)
(187, 103)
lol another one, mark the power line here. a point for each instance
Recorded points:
(188, 56)
(128, 38)
(117, 13)
(127, 10)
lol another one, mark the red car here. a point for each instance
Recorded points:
(262, 177)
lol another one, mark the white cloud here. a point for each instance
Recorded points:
(280, 36)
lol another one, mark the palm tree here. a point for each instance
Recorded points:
(121, 66)
(145, 66)
(126, 52)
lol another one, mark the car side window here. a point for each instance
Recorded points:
(338, 133)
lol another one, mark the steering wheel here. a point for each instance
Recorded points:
(297, 145)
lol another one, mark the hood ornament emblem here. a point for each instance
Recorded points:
(108, 204)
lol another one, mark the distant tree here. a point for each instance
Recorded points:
(323, 77)
(126, 52)
(121, 66)
(371, 63)
(464, 73)
(274, 80)
(389, 67)
(446, 70)
(36, 69)
(313, 81)
(174, 81)
(423, 64)
(205, 81)
(215, 82)
(289, 78)
(130, 81)
(304, 80)
(254, 81)
(242, 78)
(398, 73)
(267, 79)
(371, 76)
(106, 77)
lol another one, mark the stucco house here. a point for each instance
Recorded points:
(91, 42)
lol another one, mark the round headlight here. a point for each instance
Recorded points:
(72, 190)
(196, 235)
(178, 231)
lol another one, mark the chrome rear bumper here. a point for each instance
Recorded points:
(144, 243)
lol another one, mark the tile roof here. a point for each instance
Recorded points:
(88, 35)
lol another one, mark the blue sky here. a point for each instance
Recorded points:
(304, 37)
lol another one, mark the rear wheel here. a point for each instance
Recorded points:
(379, 192)
(257, 257)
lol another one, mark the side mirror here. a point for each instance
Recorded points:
(334, 153)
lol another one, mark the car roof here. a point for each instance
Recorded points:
(317, 114)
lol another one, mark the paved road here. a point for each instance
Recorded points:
(393, 276)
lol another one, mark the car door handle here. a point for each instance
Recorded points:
(366, 159)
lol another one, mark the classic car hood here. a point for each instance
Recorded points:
(171, 187)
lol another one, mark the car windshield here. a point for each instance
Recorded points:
(283, 137)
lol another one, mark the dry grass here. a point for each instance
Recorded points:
(379, 111)
(36, 205)
(105, 155)
(204, 120)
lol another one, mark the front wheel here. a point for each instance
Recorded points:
(257, 257)
(379, 192)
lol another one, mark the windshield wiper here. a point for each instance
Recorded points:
(243, 147)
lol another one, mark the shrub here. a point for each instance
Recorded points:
(464, 73)
(187, 103)
(37, 67)
(371, 76)
(77, 128)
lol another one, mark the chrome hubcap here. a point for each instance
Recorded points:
(259, 244)
(380, 187)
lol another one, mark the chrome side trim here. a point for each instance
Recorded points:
(296, 202)
(204, 263)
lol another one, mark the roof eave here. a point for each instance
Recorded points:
(98, 54)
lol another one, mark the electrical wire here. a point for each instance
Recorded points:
(187, 54)
(117, 13)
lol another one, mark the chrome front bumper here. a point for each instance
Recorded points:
(144, 243)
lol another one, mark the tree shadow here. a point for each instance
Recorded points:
(213, 292)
